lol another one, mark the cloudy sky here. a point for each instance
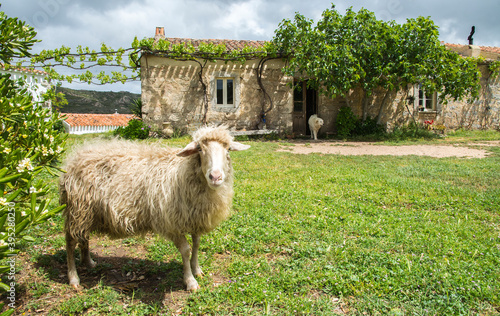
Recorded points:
(117, 22)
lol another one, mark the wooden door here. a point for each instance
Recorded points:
(304, 105)
(299, 109)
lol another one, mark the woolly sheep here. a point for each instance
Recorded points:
(315, 123)
(123, 188)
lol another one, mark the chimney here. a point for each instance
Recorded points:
(470, 38)
(474, 51)
(160, 33)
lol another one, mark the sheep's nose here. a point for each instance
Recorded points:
(215, 175)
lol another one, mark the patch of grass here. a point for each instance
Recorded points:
(102, 300)
(469, 135)
(322, 235)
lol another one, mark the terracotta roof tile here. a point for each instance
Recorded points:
(28, 70)
(483, 48)
(74, 119)
(491, 49)
(488, 52)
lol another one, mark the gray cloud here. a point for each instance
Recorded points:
(117, 22)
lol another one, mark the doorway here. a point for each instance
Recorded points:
(305, 104)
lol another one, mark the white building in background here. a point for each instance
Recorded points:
(82, 123)
(37, 82)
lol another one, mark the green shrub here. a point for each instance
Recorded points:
(59, 126)
(346, 122)
(136, 108)
(136, 129)
(29, 144)
(368, 127)
(411, 131)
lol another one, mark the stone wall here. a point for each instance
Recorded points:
(173, 96)
(483, 113)
(399, 108)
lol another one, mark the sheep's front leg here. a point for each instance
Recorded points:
(74, 280)
(195, 266)
(182, 244)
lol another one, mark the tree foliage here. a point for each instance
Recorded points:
(355, 50)
(16, 38)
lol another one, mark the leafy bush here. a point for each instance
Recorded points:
(411, 131)
(346, 121)
(136, 108)
(29, 144)
(368, 127)
(349, 125)
(136, 129)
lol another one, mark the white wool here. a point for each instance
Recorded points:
(124, 188)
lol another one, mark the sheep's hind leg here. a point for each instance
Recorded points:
(86, 259)
(195, 266)
(182, 244)
(74, 280)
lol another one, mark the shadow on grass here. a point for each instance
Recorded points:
(141, 279)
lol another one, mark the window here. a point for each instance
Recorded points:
(298, 98)
(225, 91)
(425, 101)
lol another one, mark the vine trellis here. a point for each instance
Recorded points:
(85, 61)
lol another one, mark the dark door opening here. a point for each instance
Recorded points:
(305, 104)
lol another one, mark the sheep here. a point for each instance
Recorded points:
(123, 188)
(315, 123)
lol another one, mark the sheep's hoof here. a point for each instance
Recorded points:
(192, 285)
(91, 264)
(74, 281)
(76, 287)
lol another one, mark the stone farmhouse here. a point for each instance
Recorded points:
(257, 96)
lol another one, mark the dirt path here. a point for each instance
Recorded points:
(366, 148)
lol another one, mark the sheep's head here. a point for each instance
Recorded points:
(213, 145)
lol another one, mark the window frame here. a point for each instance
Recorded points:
(225, 91)
(225, 75)
(420, 97)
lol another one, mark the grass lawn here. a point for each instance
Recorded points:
(310, 234)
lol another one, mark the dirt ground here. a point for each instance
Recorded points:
(473, 150)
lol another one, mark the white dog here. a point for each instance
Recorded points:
(315, 124)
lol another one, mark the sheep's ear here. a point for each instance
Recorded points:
(235, 146)
(190, 149)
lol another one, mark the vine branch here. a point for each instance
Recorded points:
(260, 69)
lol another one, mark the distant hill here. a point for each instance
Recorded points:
(98, 102)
